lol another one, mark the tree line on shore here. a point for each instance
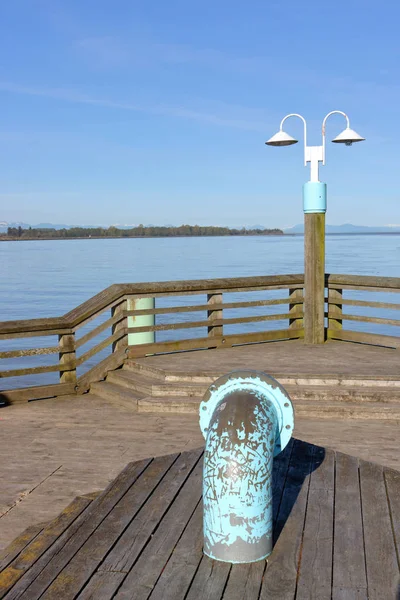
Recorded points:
(140, 231)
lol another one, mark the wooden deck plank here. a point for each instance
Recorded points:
(16, 547)
(125, 553)
(392, 479)
(349, 578)
(282, 569)
(79, 569)
(210, 580)
(244, 581)
(128, 548)
(38, 578)
(40, 543)
(380, 551)
(314, 582)
(102, 586)
(178, 573)
(144, 574)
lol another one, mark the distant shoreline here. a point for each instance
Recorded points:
(138, 237)
(148, 237)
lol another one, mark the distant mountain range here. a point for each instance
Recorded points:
(347, 228)
(4, 226)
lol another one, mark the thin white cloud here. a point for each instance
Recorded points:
(105, 51)
(78, 97)
(110, 51)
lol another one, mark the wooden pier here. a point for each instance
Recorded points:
(337, 514)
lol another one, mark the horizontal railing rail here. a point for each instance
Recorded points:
(340, 285)
(97, 347)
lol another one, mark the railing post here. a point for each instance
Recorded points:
(335, 297)
(214, 315)
(67, 356)
(146, 337)
(314, 278)
(296, 310)
(123, 324)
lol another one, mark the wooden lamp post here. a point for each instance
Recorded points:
(314, 204)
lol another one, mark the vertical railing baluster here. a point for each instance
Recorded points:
(335, 311)
(67, 357)
(119, 309)
(296, 309)
(214, 315)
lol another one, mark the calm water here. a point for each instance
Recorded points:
(49, 278)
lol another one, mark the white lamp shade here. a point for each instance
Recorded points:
(281, 139)
(348, 136)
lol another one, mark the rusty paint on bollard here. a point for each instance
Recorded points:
(246, 418)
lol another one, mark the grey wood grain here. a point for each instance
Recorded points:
(315, 574)
(348, 554)
(210, 580)
(282, 567)
(179, 571)
(244, 581)
(380, 551)
(102, 586)
(144, 574)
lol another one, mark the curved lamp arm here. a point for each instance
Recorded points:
(305, 130)
(333, 112)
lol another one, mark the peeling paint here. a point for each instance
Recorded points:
(244, 431)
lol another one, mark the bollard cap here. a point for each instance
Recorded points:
(258, 383)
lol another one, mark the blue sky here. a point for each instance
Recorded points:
(157, 112)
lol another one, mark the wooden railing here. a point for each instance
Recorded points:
(100, 334)
(348, 295)
(84, 334)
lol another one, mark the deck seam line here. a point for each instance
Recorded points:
(262, 579)
(362, 521)
(194, 576)
(226, 583)
(334, 518)
(391, 519)
(24, 495)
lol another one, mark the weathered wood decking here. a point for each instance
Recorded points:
(289, 358)
(337, 526)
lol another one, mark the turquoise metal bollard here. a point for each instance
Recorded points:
(144, 337)
(314, 197)
(246, 418)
